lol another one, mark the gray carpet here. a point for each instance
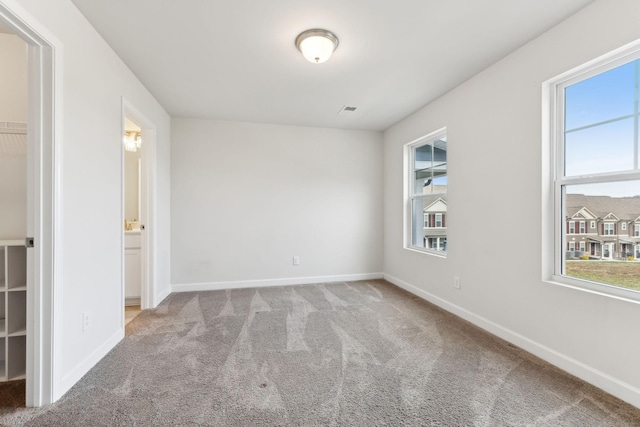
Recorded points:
(358, 353)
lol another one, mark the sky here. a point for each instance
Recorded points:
(601, 122)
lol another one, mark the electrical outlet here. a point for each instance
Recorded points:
(456, 282)
(86, 320)
(296, 260)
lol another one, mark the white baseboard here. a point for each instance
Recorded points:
(89, 362)
(132, 301)
(161, 296)
(216, 286)
(612, 385)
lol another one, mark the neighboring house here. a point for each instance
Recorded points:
(435, 222)
(602, 227)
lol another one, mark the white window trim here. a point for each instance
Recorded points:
(553, 240)
(609, 225)
(583, 246)
(593, 224)
(409, 183)
(636, 232)
(582, 227)
(623, 226)
(572, 227)
(435, 220)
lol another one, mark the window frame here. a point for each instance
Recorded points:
(582, 226)
(409, 189)
(555, 182)
(609, 229)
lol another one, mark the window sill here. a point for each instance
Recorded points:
(438, 254)
(601, 289)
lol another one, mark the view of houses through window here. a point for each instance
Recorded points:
(428, 193)
(598, 177)
(613, 236)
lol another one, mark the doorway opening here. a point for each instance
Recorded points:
(34, 332)
(138, 211)
(14, 214)
(132, 142)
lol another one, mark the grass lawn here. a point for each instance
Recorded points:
(623, 273)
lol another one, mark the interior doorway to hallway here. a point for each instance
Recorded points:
(132, 143)
(138, 213)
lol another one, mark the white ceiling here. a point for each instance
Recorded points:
(236, 59)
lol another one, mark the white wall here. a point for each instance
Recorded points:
(13, 147)
(247, 197)
(495, 221)
(95, 80)
(13, 84)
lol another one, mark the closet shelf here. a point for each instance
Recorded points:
(13, 310)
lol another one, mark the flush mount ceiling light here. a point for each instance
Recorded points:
(316, 45)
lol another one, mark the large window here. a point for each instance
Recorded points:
(596, 140)
(426, 201)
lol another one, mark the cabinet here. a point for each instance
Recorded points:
(13, 310)
(132, 270)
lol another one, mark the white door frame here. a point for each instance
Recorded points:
(147, 205)
(44, 222)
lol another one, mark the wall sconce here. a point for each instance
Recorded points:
(132, 141)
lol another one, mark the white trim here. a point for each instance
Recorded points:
(44, 299)
(595, 288)
(161, 296)
(216, 286)
(74, 375)
(606, 382)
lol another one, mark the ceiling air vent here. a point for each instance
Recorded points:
(347, 109)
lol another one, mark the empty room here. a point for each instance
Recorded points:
(319, 213)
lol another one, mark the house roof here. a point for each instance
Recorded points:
(431, 199)
(624, 208)
(438, 205)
